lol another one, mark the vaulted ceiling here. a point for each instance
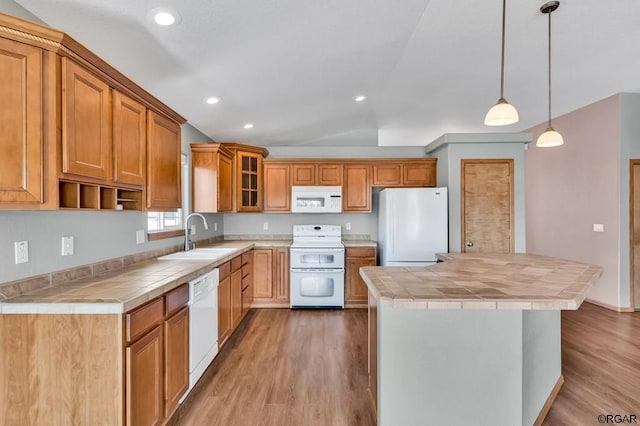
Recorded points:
(294, 67)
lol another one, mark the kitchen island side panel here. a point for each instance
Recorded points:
(449, 367)
(542, 364)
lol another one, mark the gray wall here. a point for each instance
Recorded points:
(98, 235)
(449, 154)
(12, 8)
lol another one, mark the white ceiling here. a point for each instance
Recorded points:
(293, 67)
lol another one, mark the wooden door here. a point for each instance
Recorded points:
(303, 174)
(21, 134)
(163, 163)
(144, 380)
(224, 309)
(129, 139)
(176, 359)
(277, 187)
(356, 191)
(236, 297)
(263, 274)
(635, 233)
(86, 123)
(329, 174)
(487, 206)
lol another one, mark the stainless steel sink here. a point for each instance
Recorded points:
(205, 253)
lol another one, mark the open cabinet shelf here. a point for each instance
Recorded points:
(84, 196)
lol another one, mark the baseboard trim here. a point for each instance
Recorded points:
(610, 307)
(549, 402)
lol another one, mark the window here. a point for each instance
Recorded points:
(164, 221)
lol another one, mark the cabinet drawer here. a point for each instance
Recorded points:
(361, 252)
(176, 299)
(246, 270)
(143, 319)
(224, 270)
(247, 258)
(236, 263)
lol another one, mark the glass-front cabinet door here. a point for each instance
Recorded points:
(249, 167)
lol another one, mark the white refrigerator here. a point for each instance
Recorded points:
(412, 225)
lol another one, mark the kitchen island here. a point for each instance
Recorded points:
(474, 339)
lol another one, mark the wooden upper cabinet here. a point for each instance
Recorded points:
(329, 174)
(356, 189)
(303, 174)
(129, 139)
(316, 173)
(277, 187)
(404, 172)
(387, 174)
(212, 178)
(86, 123)
(163, 163)
(249, 181)
(21, 132)
(419, 173)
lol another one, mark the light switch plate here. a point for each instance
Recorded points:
(21, 251)
(140, 239)
(598, 227)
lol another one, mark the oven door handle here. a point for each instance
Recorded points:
(317, 270)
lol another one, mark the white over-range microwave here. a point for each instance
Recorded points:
(316, 199)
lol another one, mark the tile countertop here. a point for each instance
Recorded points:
(122, 290)
(359, 243)
(484, 281)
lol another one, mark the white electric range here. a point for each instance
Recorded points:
(317, 267)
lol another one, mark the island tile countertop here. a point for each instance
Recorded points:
(484, 281)
(122, 290)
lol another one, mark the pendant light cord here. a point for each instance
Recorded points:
(549, 71)
(504, 14)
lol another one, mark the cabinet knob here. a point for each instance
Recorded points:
(470, 244)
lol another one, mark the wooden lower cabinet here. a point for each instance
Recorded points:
(355, 289)
(271, 278)
(224, 305)
(236, 297)
(372, 341)
(157, 364)
(144, 380)
(233, 291)
(176, 359)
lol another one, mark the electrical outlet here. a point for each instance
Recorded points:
(215, 226)
(265, 226)
(598, 227)
(192, 230)
(67, 246)
(21, 251)
(140, 238)
(347, 226)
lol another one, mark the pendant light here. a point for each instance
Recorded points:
(550, 137)
(503, 112)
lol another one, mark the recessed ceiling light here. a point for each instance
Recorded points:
(212, 100)
(248, 126)
(360, 98)
(164, 16)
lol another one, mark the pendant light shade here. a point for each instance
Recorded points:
(502, 113)
(550, 137)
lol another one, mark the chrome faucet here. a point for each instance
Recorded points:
(188, 245)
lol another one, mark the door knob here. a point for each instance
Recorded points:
(469, 244)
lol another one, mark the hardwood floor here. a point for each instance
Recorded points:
(600, 364)
(309, 367)
(283, 367)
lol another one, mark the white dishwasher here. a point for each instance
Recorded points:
(203, 324)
